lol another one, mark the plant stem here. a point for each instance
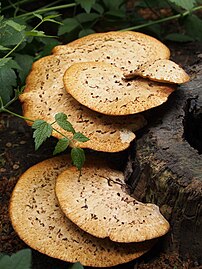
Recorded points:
(16, 115)
(13, 49)
(43, 10)
(177, 16)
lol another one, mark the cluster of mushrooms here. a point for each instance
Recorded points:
(102, 82)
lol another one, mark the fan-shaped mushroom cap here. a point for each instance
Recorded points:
(101, 87)
(40, 223)
(162, 71)
(98, 203)
(45, 96)
(125, 50)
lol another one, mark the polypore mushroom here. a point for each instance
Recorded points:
(101, 87)
(40, 223)
(98, 203)
(160, 70)
(125, 50)
(45, 96)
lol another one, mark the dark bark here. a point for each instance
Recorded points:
(167, 168)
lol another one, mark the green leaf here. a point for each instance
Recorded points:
(51, 18)
(78, 157)
(62, 121)
(84, 17)
(43, 130)
(193, 26)
(18, 27)
(86, 32)
(61, 145)
(69, 25)
(3, 48)
(114, 5)
(37, 15)
(50, 43)
(20, 260)
(9, 36)
(185, 4)
(179, 37)
(76, 265)
(25, 62)
(99, 8)
(80, 137)
(4, 61)
(116, 13)
(8, 80)
(86, 4)
(35, 33)
(152, 4)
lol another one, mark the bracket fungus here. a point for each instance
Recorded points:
(101, 87)
(160, 70)
(45, 96)
(40, 223)
(97, 201)
(110, 227)
(125, 50)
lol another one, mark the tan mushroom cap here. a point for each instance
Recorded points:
(98, 203)
(125, 50)
(40, 223)
(162, 71)
(45, 96)
(101, 87)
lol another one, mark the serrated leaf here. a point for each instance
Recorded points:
(69, 25)
(20, 260)
(76, 265)
(18, 27)
(25, 62)
(61, 145)
(62, 121)
(43, 130)
(86, 4)
(179, 37)
(78, 157)
(8, 80)
(37, 124)
(185, 4)
(80, 137)
(86, 32)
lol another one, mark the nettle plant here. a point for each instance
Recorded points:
(26, 36)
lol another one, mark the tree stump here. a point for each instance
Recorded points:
(167, 167)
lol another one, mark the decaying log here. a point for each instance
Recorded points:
(167, 168)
